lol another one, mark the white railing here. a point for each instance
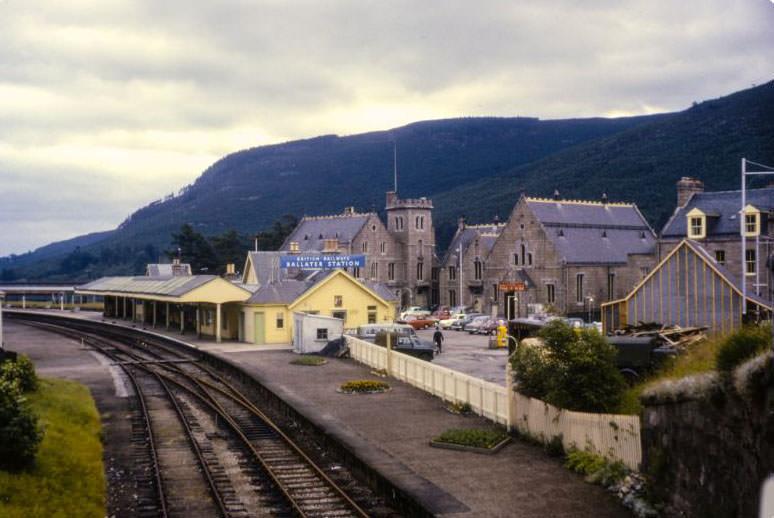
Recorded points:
(485, 398)
(616, 437)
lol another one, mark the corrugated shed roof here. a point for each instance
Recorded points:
(165, 286)
(724, 205)
(312, 231)
(592, 232)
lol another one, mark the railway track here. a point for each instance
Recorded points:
(201, 447)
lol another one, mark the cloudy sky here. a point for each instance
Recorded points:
(106, 106)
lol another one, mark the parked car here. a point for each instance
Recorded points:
(473, 326)
(369, 331)
(460, 324)
(414, 310)
(418, 322)
(442, 313)
(407, 344)
(448, 322)
(490, 326)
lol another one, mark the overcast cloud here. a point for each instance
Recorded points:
(109, 105)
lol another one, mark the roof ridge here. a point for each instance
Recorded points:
(337, 216)
(583, 202)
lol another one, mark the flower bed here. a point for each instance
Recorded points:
(474, 440)
(363, 387)
(462, 408)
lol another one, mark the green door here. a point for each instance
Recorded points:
(260, 329)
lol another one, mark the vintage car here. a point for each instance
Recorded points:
(460, 324)
(415, 311)
(448, 322)
(474, 325)
(418, 322)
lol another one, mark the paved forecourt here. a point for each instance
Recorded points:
(390, 433)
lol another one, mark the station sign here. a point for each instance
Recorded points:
(322, 262)
(511, 286)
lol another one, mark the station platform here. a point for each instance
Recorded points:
(390, 433)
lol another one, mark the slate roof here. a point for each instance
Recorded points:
(168, 286)
(724, 206)
(311, 232)
(265, 265)
(486, 234)
(594, 233)
(285, 291)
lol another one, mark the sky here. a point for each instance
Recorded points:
(106, 106)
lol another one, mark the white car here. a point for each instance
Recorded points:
(447, 323)
(416, 311)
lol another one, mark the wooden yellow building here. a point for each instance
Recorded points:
(205, 304)
(267, 316)
(687, 288)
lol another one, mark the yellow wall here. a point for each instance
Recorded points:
(355, 301)
(273, 334)
(229, 316)
(321, 300)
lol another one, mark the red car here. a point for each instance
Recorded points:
(418, 322)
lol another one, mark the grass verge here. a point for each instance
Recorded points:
(68, 477)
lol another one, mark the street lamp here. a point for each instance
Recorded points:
(591, 303)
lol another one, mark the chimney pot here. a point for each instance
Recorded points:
(686, 187)
(556, 194)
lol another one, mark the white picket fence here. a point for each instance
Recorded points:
(613, 436)
(485, 398)
(616, 437)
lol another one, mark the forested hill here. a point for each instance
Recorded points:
(641, 164)
(477, 167)
(249, 190)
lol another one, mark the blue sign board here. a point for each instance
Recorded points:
(322, 262)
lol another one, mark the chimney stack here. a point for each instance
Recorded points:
(686, 187)
(604, 198)
(461, 222)
(556, 194)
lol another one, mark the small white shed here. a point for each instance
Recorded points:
(311, 333)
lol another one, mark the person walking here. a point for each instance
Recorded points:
(438, 338)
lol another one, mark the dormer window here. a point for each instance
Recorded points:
(294, 246)
(697, 224)
(752, 221)
(330, 245)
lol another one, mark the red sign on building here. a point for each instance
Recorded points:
(511, 286)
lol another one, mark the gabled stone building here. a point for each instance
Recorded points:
(570, 255)
(712, 219)
(462, 282)
(400, 255)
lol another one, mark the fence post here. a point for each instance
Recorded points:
(388, 367)
(510, 397)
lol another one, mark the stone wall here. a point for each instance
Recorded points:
(708, 441)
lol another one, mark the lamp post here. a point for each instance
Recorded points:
(591, 303)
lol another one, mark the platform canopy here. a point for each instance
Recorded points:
(208, 289)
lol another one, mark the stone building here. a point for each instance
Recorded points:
(570, 255)
(712, 219)
(462, 282)
(400, 255)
